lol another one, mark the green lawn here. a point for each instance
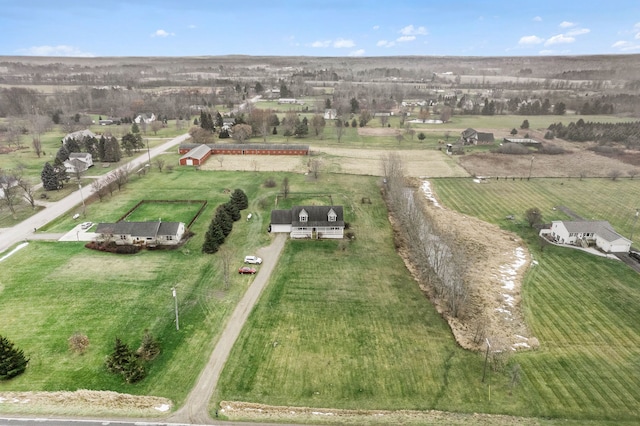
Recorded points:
(349, 328)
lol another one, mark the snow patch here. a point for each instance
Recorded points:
(163, 408)
(20, 246)
(321, 414)
(428, 193)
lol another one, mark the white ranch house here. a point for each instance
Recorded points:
(585, 233)
(316, 222)
(149, 234)
(78, 162)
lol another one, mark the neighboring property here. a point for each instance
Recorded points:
(587, 233)
(150, 234)
(78, 162)
(80, 135)
(473, 137)
(196, 156)
(330, 114)
(315, 222)
(6, 183)
(145, 118)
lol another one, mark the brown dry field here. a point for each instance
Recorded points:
(417, 163)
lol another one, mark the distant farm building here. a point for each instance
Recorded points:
(473, 137)
(522, 141)
(197, 154)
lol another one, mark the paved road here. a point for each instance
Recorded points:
(25, 229)
(196, 408)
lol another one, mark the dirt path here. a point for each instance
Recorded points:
(196, 407)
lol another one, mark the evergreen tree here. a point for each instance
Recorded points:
(219, 120)
(149, 347)
(112, 152)
(12, 360)
(223, 218)
(91, 146)
(62, 155)
(525, 124)
(50, 177)
(101, 147)
(135, 129)
(239, 198)
(128, 143)
(72, 145)
(215, 232)
(210, 245)
(232, 210)
(116, 361)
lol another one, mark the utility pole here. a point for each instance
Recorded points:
(148, 151)
(84, 209)
(633, 227)
(531, 166)
(175, 298)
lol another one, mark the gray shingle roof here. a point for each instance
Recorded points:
(281, 217)
(602, 228)
(197, 152)
(318, 216)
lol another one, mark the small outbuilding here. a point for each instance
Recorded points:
(196, 156)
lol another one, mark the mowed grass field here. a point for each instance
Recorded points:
(348, 328)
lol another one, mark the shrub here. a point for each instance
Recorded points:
(149, 347)
(513, 149)
(550, 149)
(78, 343)
(125, 362)
(270, 183)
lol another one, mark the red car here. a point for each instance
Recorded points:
(247, 270)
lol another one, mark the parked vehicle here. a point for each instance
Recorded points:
(635, 255)
(247, 270)
(253, 259)
(86, 225)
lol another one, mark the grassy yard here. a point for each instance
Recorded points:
(347, 328)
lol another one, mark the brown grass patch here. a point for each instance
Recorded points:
(244, 411)
(377, 131)
(84, 402)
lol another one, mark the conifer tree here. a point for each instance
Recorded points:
(239, 198)
(12, 360)
(224, 220)
(232, 210)
(149, 347)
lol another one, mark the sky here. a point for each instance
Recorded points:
(318, 27)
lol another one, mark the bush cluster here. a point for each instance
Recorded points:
(132, 365)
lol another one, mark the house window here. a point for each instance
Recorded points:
(123, 237)
(303, 216)
(332, 216)
(169, 238)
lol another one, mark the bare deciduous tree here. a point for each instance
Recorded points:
(285, 187)
(9, 189)
(160, 164)
(36, 143)
(28, 191)
(220, 159)
(78, 343)
(614, 174)
(315, 165)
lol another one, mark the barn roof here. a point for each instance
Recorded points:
(198, 152)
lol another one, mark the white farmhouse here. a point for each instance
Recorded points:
(585, 233)
(315, 222)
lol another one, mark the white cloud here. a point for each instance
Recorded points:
(359, 52)
(637, 37)
(162, 33)
(537, 19)
(321, 43)
(60, 50)
(578, 31)
(385, 43)
(191, 27)
(530, 40)
(625, 46)
(376, 27)
(404, 39)
(567, 24)
(410, 30)
(558, 39)
(342, 43)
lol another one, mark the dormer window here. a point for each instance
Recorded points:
(303, 216)
(332, 216)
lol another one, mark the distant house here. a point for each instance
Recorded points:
(78, 162)
(316, 222)
(473, 137)
(585, 233)
(287, 101)
(106, 122)
(145, 118)
(148, 234)
(330, 114)
(80, 135)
